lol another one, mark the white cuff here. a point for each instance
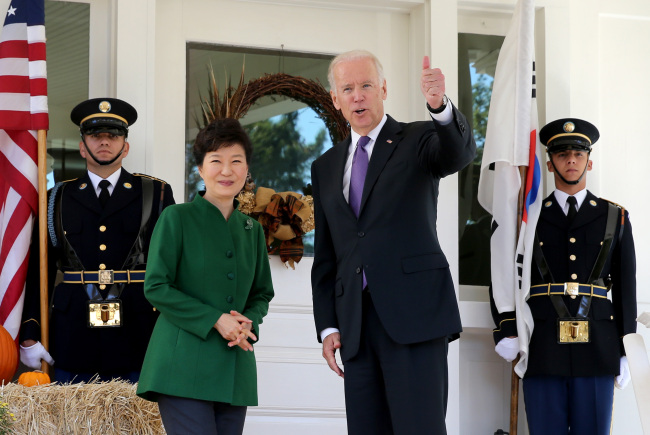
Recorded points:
(444, 117)
(327, 331)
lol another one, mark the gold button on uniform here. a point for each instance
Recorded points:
(573, 258)
(102, 287)
(572, 240)
(574, 276)
(102, 266)
(102, 247)
(102, 228)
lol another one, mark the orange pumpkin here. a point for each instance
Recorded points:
(29, 379)
(8, 356)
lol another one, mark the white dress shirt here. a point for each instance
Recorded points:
(561, 198)
(95, 179)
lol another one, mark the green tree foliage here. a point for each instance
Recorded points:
(281, 158)
(481, 93)
(193, 181)
(474, 221)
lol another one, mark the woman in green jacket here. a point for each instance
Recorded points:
(208, 274)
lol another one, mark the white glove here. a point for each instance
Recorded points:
(623, 379)
(508, 348)
(32, 355)
(644, 318)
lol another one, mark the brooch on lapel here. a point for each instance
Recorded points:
(548, 204)
(127, 185)
(249, 224)
(592, 202)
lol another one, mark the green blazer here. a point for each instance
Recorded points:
(201, 266)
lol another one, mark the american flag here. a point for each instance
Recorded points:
(23, 110)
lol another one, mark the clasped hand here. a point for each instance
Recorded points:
(236, 328)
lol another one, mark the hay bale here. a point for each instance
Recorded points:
(94, 408)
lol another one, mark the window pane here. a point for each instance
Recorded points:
(477, 58)
(287, 135)
(67, 27)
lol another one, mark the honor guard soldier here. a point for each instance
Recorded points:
(582, 296)
(99, 230)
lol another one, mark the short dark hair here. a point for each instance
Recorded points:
(220, 133)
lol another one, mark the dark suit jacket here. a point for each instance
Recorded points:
(609, 320)
(73, 345)
(394, 239)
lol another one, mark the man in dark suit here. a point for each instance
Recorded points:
(382, 290)
(100, 226)
(582, 297)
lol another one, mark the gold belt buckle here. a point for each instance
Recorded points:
(572, 289)
(104, 314)
(573, 330)
(105, 277)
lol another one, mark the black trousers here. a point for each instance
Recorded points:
(183, 416)
(392, 388)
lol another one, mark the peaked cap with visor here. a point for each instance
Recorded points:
(104, 115)
(568, 134)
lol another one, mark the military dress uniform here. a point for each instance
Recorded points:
(97, 256)
(571, 255)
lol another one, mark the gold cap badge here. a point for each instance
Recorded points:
(569, 127)
(104, 106)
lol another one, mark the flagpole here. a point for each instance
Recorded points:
(42, 238)
(514, 378)
(514, 398)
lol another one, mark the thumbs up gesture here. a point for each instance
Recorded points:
(432, 84)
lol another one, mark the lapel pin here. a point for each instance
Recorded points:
(592, 202)
(83, 186)
(127, 185)
(389, 141)
(548, 204)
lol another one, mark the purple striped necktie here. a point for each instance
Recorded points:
(358, 175)
(357, 180)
